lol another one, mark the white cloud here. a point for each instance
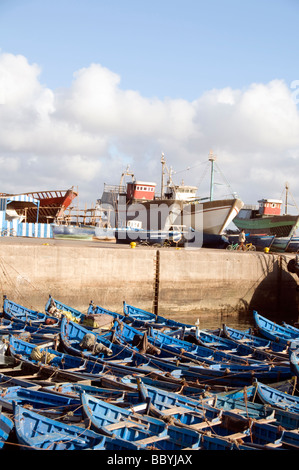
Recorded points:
(86, 135)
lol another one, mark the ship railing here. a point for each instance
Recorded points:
(114, 188)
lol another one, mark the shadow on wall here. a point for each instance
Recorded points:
(277, 296)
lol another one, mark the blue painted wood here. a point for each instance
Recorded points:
(254, 341)
(19, 313)
(35, 431)
(47, 403)
(271, 330)
(130, 426)
(62, 307)
(276, 398)
(6, 426)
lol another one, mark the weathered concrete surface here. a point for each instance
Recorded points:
(197, 283)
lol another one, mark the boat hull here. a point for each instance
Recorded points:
(204, 217)
(280, 225)
(217, 215)
(83, 232)
(52, 204)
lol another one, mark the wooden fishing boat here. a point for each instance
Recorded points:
(236, 348)
(276, 398)
(73, 335)
(113, 420)
(75, 390)
(16, 312)
(265, 426)
(59, 309)
(291, 327)
(232, 374)
(271, 330)
(209, 351)
(158, 320)
(35, 431)
(46, 403)
(79, 341)
(271, 347)
(244, 407)
(290, 440)
(260, 436)
(227, 422)
(103, 417)
(6, 426)
(64, 368)
(103, 319)
(138, 318)
(7, 381)
(49, 362)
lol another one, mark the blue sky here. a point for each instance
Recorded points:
(179, 77)
(161, 48)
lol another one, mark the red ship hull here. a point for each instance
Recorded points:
(52, 204)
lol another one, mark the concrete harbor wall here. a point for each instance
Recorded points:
(200, 283)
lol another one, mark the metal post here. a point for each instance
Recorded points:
(212, 158)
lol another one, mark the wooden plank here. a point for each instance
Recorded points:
(237, 435)
(177, 409)
(124, 424)
(150, 440)
(204, 424)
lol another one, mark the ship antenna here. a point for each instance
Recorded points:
(212, 159)
(286, 198)
(163, 172)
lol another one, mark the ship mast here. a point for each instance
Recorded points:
(212, 159)
(163, 173)
(286, 198)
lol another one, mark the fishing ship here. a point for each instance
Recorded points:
(51, 205)
(266, 218)
(177, 207)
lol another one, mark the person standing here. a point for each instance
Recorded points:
(242, 239)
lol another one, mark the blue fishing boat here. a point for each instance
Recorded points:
(47, 403)
(37, 432)
(6, 426)
(291, 327)
(73, 232)
(226, 420)
(290, 440)
(72, 336)
(236, 348)
(143, 430)
(49, 361)
(244, 407)
(159, 320)
(57, 308)
(285, 244)
(79, 341)
(209, 352)
(104, 417)
(271, 330)
(270, 347)
(90, 319)
(19, 313)
(75, 390)
(134, 317)
(276, 398)
(7, 381)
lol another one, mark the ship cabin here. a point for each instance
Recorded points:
(181, 192)
(140, 190)
(269, 207)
